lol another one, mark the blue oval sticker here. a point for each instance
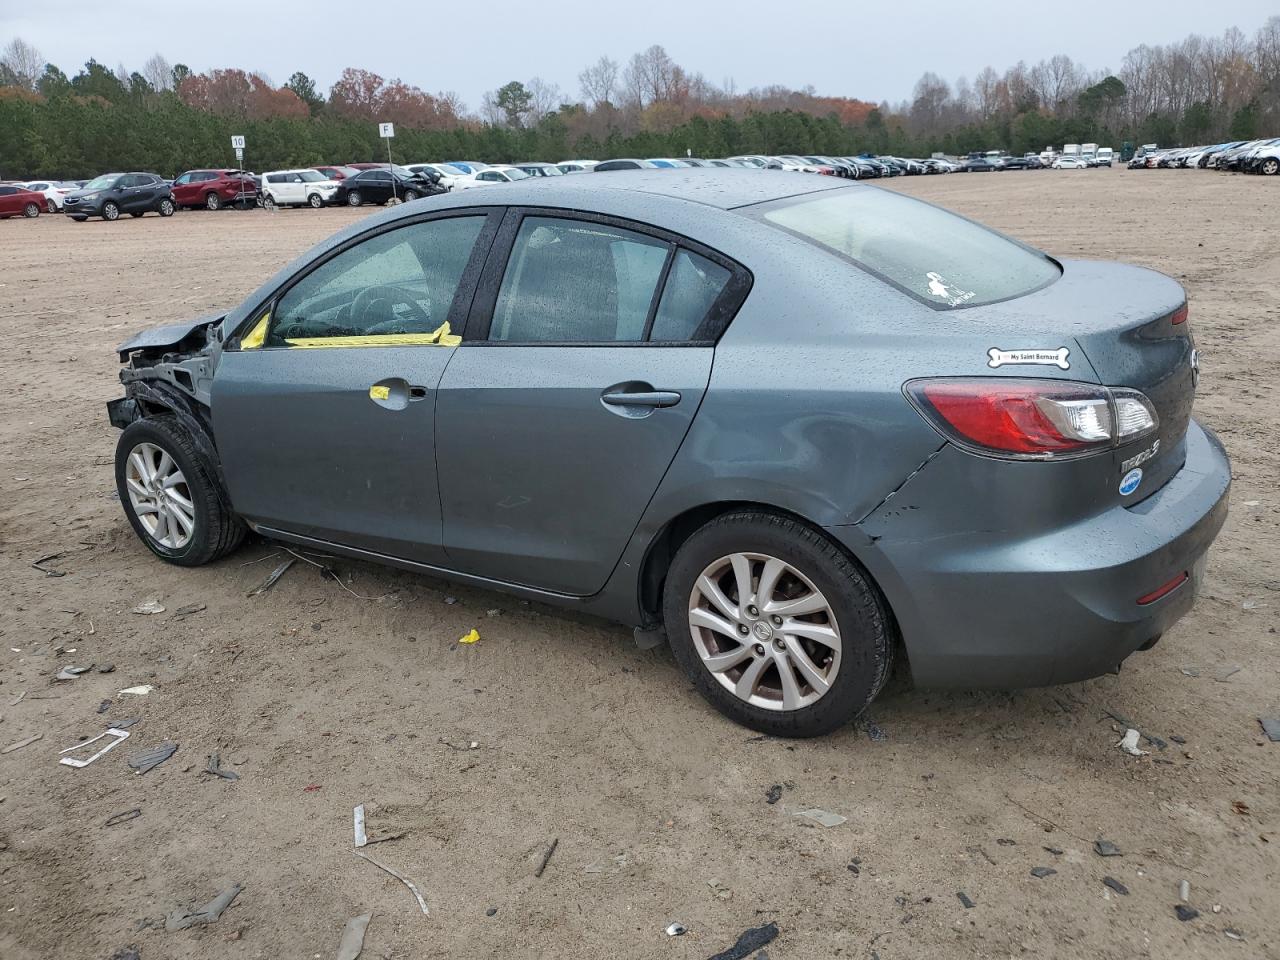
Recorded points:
(1130, 481)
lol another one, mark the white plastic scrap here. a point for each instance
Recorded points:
(139, 691)
(1129, 744)
(149, 607)
(120, 737)
(358, 825)
(676, 930)
(822, 816)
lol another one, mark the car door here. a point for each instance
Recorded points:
(183, 190)
(126, 192)
(584, 364)
(324, 400)
(291, 189)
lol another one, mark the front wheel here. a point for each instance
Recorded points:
(110, 210)
(268, 202)
(354, 199)
(1270, 167)
(171, 496)
(31, 211)
(410, 195)
(316, 201)
(776, 626)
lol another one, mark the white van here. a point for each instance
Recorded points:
(297, 188)
(1105, 156)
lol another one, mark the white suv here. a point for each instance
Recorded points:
(296, 188)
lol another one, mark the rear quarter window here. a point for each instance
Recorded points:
(937, 257)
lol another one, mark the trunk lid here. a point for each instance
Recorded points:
(1121, 319)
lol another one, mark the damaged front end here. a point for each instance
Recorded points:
(168, 370)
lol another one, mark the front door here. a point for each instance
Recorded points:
(324, 405)
(561, 412)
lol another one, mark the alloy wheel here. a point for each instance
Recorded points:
(764, 631)
(159, 495)
(31, 210)
(110, 211)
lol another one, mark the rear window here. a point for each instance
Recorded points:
(937, 257)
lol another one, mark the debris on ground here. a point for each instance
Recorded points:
(1116, 885)
(472, 637)
(127, 953)
(353, 937)
(773, 794)
(70, 673)
(139, 691)
(21, 743)
(720, 890)
(146, 760)
(1185, 913)
(964, 900)
(48, 558)
(1056, 851)
(855, 866)
(1105, 848)
(1225, 674)
(1041, 872)
(1240, 807)
(215, 768)
(126, 723)
(272, 577)
(399, 876)
(822, 817)
(676, 930)
(123, 817)
(874, 732)
(749, 942)
(1129, 743)
(1184, 891)
(311, 788)
(491, 912)
(1271, 727)
(1233, 934)
(546, 857)
(149, 608)
(182, 919)
(120, 737)
(357, 825)
(189, 610)
(107, 668)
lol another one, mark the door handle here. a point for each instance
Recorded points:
(641, 398)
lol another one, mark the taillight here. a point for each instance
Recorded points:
(1180, 315)
(1032, 419)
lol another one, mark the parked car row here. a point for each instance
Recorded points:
(1239, 156)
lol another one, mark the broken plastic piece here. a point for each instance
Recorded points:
(1042, 872)
(145, 760)
(124, 817)
(358, 817)
(70, 673)
(749, 942)
(272, 577)
(1271, 727)
(149, 607)
(215, 767)
(120, 737)
(399, 876)
(180, 919)
(139, 691)
(676, 930)
(353, 937)
(1105, 848)
(546, 857)
(21, 743)
(964, 900)
(472, 637)
(1129, 743)
(823, 817)
(1116, 885)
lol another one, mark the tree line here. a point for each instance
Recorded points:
(169, 118)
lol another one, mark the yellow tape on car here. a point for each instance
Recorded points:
(439, 337)
(257, 336)
(379, 393)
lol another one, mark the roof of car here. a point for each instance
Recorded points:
(722, 187)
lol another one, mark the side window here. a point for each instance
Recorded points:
(182, 180)
(572, 281)
(8, 191)
(399, 282)
(275, 178)
(692, 287)
(126, 182)
(294, 178)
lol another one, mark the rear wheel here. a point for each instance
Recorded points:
(776, 626)
(166, 208)
(110, 210)
(171, 495)
(31, 211)
(212, 201)
(354, 199)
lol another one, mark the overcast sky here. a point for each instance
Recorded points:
(871, 51)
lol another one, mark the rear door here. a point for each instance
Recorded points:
(9, 201)
(587, 355)
(324, 404)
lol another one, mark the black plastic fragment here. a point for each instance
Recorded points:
(749, 942)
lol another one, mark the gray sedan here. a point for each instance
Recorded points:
(796, 424)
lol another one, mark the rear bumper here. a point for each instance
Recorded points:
(982, 610)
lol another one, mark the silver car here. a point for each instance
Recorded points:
(797, 425)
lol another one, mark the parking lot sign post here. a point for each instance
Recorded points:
(237, 144)
(387, 131)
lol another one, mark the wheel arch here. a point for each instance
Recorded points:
(664, 545)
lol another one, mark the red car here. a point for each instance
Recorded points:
(337, 173)
(215, 189)
(19, 201)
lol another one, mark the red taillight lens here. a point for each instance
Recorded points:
(1030, 419)
(1180, 315)
(1164, 590)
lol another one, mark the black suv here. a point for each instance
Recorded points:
(112, 194)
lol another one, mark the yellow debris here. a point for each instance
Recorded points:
(472, 637)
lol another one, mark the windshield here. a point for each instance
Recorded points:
(937, 257)
(103, 182)
(312, 176)
(515, 173)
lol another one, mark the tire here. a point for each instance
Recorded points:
(166, 208)
(354, 199)
(214, 531)
(110, 211)
(813, 567)
(1270, 167)
(315, 201)
(411, 195)
(212, 201)
(268, 202)
(31, 211)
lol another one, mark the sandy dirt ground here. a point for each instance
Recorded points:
(320, 700)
